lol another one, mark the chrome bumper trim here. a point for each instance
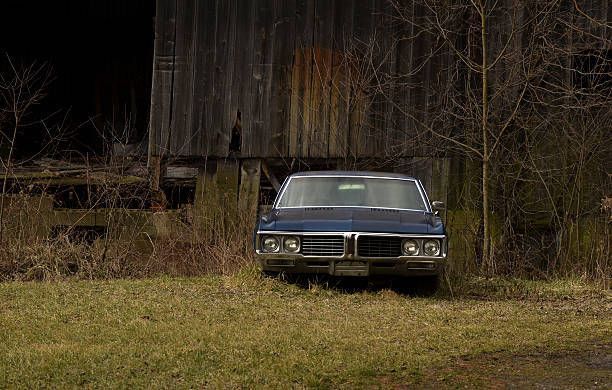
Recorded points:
(352, 253)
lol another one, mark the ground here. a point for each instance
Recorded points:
(247, 331)
(589, 366)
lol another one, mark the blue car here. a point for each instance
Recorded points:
(352, 224)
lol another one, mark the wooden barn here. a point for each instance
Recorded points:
(282, 85)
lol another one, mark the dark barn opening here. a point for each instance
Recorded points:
(101, 55)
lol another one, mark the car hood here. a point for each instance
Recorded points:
(336, 219)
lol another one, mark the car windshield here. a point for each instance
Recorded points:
(355, 191)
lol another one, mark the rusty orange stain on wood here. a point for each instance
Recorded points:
(322, 108)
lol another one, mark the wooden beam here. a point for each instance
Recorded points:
(270, 175)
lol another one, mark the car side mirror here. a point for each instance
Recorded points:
(437, 205)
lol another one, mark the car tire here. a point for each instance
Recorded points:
(429, 284)
(419, 285)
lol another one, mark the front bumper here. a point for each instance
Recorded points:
(350, 263)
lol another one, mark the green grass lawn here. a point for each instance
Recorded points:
(246, 331)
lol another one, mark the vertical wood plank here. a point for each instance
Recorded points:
(340, 84)
(301, 78)
(263, 139)
(295, 116)
(206, 13)
(406, 65)
(374, 136)
(163, 71)
(180, 126)
(421, 94)
(362, 30)
(227, 113)
(283, 35)
(321, 79)
(249, 115)
(220, 130)
(240, 94)
(387, 30)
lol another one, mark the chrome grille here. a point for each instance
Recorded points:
(323, 245)
(374, 246)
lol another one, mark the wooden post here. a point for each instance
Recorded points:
(248, 196)
(227, 186)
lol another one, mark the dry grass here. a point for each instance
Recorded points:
(128, 250)
(57, 259)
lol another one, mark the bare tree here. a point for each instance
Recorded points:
(462, 32)
(20, 89)
(506, 80)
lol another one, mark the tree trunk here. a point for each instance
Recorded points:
(7, 168)
(486, 252)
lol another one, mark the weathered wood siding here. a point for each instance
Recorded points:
(285, 68)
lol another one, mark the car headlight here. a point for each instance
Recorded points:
(270, 244)
(291, 244)
(431, 247)
(410, 247)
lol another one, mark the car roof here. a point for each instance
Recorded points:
(354, 173)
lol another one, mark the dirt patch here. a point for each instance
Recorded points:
(588, 368)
